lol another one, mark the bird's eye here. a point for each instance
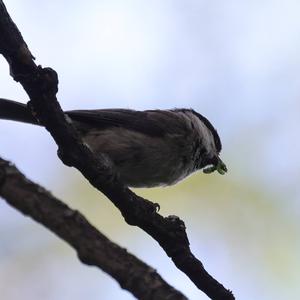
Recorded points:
(203, 151)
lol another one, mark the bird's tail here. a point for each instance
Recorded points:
(15, 111)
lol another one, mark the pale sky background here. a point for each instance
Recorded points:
(237, 63)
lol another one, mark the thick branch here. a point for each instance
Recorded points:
(93, 248)
(41, 86)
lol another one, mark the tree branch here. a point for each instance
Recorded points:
(93, 248)
(41, 86)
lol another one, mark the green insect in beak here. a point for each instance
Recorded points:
(220, 167)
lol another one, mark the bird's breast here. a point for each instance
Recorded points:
(144, 161)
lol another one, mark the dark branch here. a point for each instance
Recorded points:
(41, 86)
(93, 248)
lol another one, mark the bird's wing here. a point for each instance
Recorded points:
(150, 122)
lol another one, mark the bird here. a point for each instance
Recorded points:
(148, 148)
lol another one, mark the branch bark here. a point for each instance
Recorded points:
(41, 85)
(92, 247)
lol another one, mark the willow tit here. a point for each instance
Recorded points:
(148, 148)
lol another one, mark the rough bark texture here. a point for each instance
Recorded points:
(41, 85)
(92, 247)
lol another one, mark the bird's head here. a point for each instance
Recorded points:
(210, 143)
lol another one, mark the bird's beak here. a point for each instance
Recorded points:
(219, 166)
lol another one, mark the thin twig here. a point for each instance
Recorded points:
(92, 247)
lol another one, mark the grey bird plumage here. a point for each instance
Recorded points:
(148, 148)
